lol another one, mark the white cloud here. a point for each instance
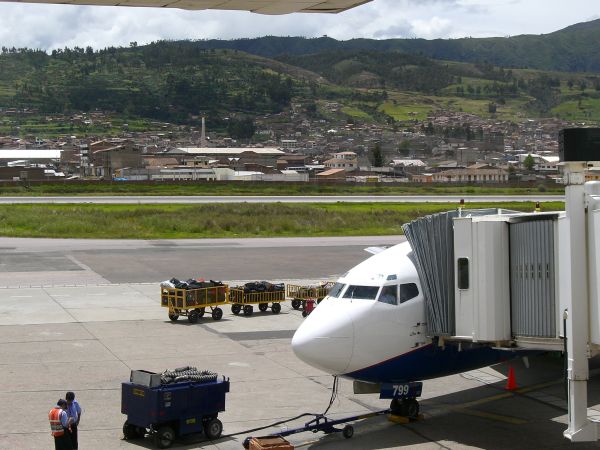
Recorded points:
(57, 26)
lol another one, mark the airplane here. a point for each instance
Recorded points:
(371, 328)
(256, 6)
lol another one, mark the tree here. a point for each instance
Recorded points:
(528, 162)
(242, 128)
(404, 148)
(377, 156)
(429, 130)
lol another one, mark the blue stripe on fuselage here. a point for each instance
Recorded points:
(431, 361)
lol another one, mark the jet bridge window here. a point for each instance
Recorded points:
(336, 290)
(361, 292)
(389, 294)
(408, 291)
(463, 273)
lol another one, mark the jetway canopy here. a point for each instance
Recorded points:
(257, 6)
(489, 275)
(432, 241)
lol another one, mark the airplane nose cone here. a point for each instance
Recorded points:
(325, 339)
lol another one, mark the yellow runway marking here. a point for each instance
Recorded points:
(491, 416)
(464, 407)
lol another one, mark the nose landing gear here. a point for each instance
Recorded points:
(404, 406)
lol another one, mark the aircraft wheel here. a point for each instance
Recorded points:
(412, 408)
(396, 407)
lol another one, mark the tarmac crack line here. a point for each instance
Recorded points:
(83, 325)
(105, 346)
(61, 306)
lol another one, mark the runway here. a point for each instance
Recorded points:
(199, 199)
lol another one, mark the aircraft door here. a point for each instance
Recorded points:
(410, 314)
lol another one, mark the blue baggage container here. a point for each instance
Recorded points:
(171, 410)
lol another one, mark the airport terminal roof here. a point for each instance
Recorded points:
(14, 154)
(230, 150)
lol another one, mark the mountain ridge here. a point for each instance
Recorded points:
(571, 49)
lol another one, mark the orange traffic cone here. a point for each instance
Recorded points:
(511, 384)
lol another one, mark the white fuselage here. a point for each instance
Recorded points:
(374, 313)
(371, 327)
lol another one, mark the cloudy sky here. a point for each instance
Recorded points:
(56, 26)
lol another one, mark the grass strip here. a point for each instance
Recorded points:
(222, 220)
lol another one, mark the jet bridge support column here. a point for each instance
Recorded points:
(581, 429)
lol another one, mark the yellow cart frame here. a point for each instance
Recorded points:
(193, 302)
(299, 294)
(245, 301)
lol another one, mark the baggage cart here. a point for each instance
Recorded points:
(243, 298)
(167, 411)
(299, 294)
(194, 302)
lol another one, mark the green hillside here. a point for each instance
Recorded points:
(167, 81)
(177, 81)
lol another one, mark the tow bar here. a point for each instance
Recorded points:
(326, 425)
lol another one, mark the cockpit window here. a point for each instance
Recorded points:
(336, 290)
(408, 291)
(389, 294)
(361, 292)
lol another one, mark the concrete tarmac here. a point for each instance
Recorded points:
(78, 324)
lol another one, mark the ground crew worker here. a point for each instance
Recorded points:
(59, 424)
(74, 414)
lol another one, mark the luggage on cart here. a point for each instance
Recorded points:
(191, 298)
(300, 294)
(261, 293)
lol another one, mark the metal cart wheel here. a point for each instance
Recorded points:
(348, 431)
(193, 316)
(263, 306)
(275, 308)
(296, 304)
(213, 429)
(130, 431)
(217, 313)
(304, 314)
(164, 437)
(235, 308)
(248, 310)
(173, 317)
(201, 311)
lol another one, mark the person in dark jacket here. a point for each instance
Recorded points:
(74, 412)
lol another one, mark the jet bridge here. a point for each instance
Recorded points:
(522, 280)
(490, 276)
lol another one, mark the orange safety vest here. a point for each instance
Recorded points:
(56, 427)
